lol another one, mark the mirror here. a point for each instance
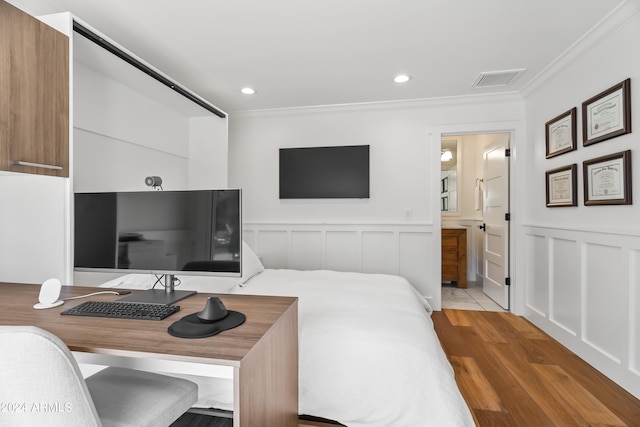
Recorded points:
(449, 175)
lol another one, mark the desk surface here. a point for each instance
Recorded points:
(263, 351)
(145, 338)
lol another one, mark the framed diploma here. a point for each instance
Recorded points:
(560, 133)
(562, 186)
(607, 180)
(607, 114)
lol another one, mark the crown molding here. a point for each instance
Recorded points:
(494, 98)
(610, 24)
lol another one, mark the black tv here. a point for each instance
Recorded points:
(324, 172)
(191, 232)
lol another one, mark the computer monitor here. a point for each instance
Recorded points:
(188, 232)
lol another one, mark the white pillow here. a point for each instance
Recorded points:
(251, 264)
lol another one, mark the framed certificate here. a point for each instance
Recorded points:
(607, 180)
(562, 186)
(560, 133)
(607, 114)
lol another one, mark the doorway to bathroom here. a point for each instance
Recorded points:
(474, 201)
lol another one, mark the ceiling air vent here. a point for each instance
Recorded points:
(497, 78)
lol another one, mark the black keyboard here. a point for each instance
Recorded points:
(123, 310)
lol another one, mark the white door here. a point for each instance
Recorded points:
(496, 226)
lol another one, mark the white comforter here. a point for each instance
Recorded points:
(368, 353)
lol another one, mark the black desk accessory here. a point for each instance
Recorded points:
(122, 310)
(212, 320)
(213, 310)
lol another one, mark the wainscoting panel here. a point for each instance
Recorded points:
(415, 251)
(343, 251)
(565, 285)
(306, 250)
(274, 247)
(406, 250)
(583, 288)
(537, 273)
(634, 307)
(380, 252)
(605, 300)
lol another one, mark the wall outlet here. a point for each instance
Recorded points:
(408, 214)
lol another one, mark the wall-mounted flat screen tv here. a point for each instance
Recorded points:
(337, 172)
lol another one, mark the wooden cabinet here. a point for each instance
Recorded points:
(454, 256)
(34, 95)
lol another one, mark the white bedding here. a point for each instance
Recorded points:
(368, 353)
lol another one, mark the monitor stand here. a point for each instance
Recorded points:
(168, 295)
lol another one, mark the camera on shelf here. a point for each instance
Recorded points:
(153, 181)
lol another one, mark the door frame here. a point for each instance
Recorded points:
(517, 173)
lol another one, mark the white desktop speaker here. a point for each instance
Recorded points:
(49, 294)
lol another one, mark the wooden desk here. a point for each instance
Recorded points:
(454, 256)
(261, 355)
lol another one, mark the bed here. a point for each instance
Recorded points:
(368, 352)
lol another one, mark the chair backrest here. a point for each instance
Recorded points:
(40, 381)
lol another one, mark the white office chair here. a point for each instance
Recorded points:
(41, 384)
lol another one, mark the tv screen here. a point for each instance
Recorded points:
(324, 172)
(161, 232)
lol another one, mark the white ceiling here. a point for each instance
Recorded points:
(325, 52)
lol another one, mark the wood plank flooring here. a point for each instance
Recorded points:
(513, 374)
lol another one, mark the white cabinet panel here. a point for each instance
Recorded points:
(105, 164)
(34, 229)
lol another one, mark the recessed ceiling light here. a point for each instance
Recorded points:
(402, 78)
(248, 90)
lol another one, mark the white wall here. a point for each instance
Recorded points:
(396, 230)
(581, 265)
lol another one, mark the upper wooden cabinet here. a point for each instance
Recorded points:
(34, 95)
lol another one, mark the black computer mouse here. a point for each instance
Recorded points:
(214, 310)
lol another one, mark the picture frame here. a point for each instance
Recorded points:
(560, 133)
(607, 180)
(444, 206)
(607, 115)
(562, 186)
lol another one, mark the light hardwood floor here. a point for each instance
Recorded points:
(513, 374)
